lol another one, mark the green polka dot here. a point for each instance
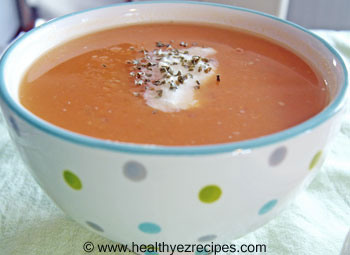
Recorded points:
(209, 194)
(315, 160)
(72, 180)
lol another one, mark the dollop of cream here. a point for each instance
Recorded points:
(174, 76)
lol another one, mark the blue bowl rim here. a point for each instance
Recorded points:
(80, 139)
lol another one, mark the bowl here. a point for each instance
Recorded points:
(173, 194)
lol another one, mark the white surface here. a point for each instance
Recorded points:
(278, 8)
(50, 9)
(9, 22)
(323, 14)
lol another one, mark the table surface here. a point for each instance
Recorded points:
(316, 223)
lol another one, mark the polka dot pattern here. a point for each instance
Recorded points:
(151, 250)
(149, 228)
(315, 160)
(14, 125)
(200, 253)
(94, 226)
(209, 194)
(134, 171)
(267, 207)
(207, 238)
(72, 180)
(278, 156)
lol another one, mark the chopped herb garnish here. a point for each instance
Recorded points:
(172, 85)
(138, 82)
(183, 44)
(207, 70)
(156, 82)
(139, 74)
(195, 59)
(180, 79)
(159, 44)
(159, 92)
(167, 61)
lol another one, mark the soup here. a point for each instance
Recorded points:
(173, 84)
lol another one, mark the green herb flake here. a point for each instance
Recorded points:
(159, 93)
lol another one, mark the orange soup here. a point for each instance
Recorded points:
(173, 84)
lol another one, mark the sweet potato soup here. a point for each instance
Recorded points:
(173, 84)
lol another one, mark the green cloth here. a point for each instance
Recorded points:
(315, 224)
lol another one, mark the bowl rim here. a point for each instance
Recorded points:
(188, 150)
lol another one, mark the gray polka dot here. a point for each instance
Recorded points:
(278, 156)
(94, 226)
(134, 171)
(207, 238)
(14, 125)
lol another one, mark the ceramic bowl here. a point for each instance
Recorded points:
(186, 194)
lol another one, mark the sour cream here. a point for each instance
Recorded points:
(173, 77)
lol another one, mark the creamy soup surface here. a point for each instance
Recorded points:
(173, 84)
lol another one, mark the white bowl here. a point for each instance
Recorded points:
(185, 194)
